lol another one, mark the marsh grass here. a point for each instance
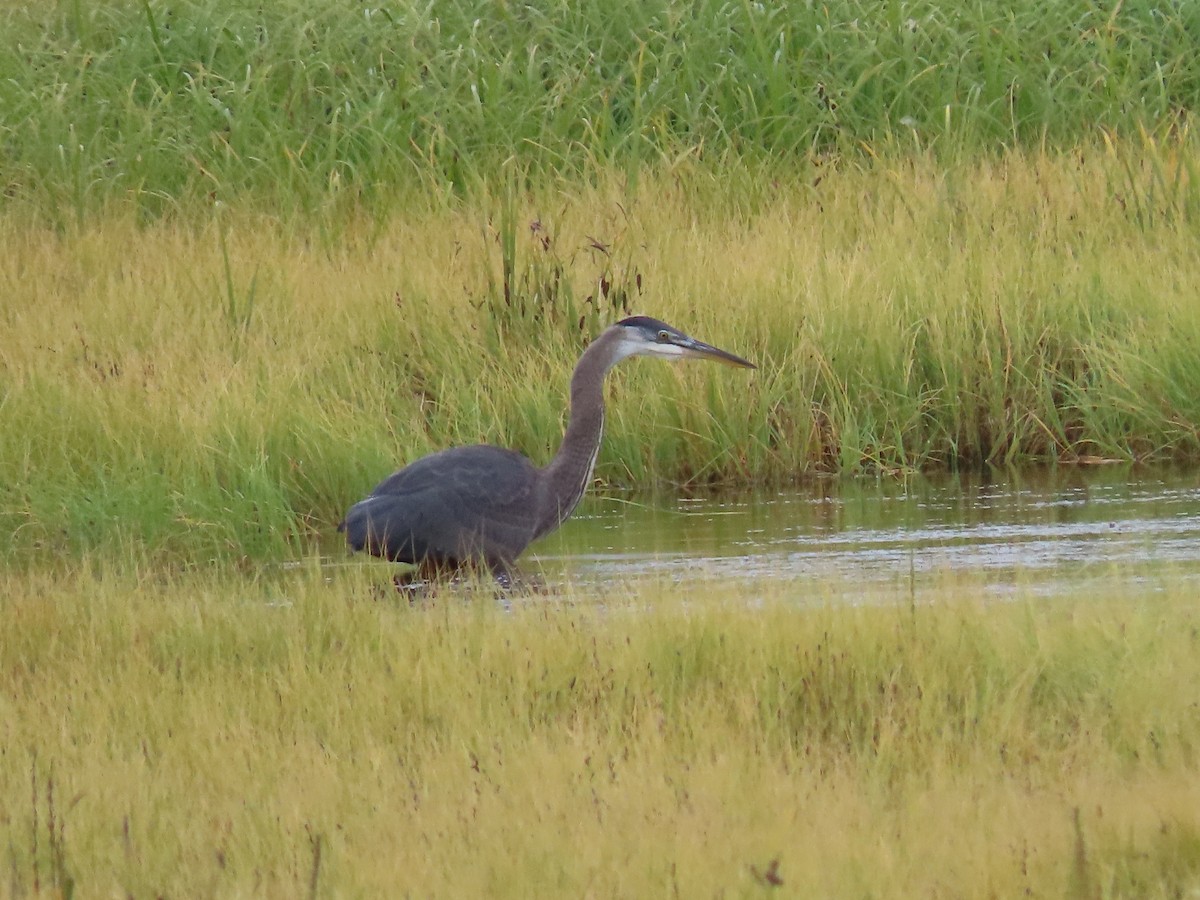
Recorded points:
(256, 258)
(314, 109)
(222, 390)
(295, 734)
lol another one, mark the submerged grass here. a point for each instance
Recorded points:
(293, 735)
(222, 390)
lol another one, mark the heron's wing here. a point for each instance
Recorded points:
(467, 502)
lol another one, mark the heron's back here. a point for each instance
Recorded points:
(447, 508)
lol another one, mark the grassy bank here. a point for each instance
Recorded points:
(298, 737)
(222, 390)
(308, 105)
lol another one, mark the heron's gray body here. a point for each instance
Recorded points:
(450, 507)
(486, 504)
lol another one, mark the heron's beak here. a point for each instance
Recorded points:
(700, 350)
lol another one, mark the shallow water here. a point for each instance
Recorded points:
(1040, 532)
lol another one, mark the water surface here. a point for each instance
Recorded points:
(1040, 531)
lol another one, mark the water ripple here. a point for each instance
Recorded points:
(1045, 530)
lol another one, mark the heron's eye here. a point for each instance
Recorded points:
(664, 336)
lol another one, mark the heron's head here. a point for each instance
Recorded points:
(644, 336)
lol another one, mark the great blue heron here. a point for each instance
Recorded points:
(484, 504)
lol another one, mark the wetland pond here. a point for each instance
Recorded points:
(1042, 532)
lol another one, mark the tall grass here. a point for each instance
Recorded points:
(280, 737)
(223, 391)
(256, 257)
(312, 105)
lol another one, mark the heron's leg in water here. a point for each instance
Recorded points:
(431, 571)
(422, 581)
(425, 579)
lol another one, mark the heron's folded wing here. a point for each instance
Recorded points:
(469, 501)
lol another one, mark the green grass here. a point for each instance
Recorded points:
(314, 107)
(222, 391)
(293, 735)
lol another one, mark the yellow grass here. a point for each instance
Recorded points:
(209, 736)
(226, 388)
(180, 403)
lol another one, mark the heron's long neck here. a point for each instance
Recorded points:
(570, 472)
